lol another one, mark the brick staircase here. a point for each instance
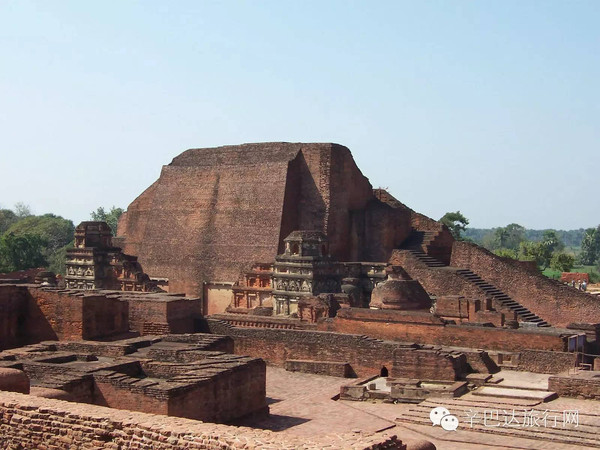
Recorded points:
(429, 261)
(501, 298)
(585, 434)
(418, 243)
(419, 240)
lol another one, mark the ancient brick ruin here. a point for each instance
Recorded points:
(94, 263)
(178, 375)
(241, 259)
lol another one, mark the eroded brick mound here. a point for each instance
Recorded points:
(14, 380)
(56, 394)
(400, 295)
(215, 211)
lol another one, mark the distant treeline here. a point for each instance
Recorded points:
(571, 238)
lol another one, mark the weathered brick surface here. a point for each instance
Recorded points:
(31, 314)
(214, 212)
(160, 375)
(13, 314)
(155, 314)
(425, 328)
(551, 300)
(428, 364)
(34, 422)
(330, 368)
(366, 355)
(436, 280)
(540, 361)
(345, 341)
(582, 385)
(14, 380)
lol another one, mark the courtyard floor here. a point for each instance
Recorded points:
(303, 405)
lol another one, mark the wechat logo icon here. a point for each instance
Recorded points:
(442, 417)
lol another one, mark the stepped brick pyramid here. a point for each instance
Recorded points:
(215, 212)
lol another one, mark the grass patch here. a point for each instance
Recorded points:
(551, 273)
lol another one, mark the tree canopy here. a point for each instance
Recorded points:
(456, 222)
(28, 241)
(509, 236)
(7, 218)
(111, 217)
(562, 262)
(54, 230)
(590, 246)
(19, 252)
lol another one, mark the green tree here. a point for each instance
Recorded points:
(533, 251)
(7, 218)
(507, 253)
(111, 217)
(489, 241)
(22, 210)
(552, 241)
(590, 246)
(19, 252)
(562, 262)
(510, 236)
(456, 222)
(54, 230)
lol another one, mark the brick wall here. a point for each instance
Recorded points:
(102, 317)
(428, 364)
(162, 315)
(578, 386)
(436, 280)
(366, 355)
(427, 329)
(32, 422)
(214, 212)
(329, 368)
(547, 362)
(13, 314)
(551, 300)
(228, 395)
(31, 314)
(253, 321)
(73, 316)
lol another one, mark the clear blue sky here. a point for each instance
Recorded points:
(487, 107)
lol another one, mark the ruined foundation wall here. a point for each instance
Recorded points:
(425, 329)
(574, 386)
(32, 422)
(229, 395)
(554, 302)
(72, 316)
(365, 355)
(13, 313)
(540, 361)
(149, 315)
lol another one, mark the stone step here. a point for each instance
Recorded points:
(581, 435)
(498, 295)
(509, 393)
